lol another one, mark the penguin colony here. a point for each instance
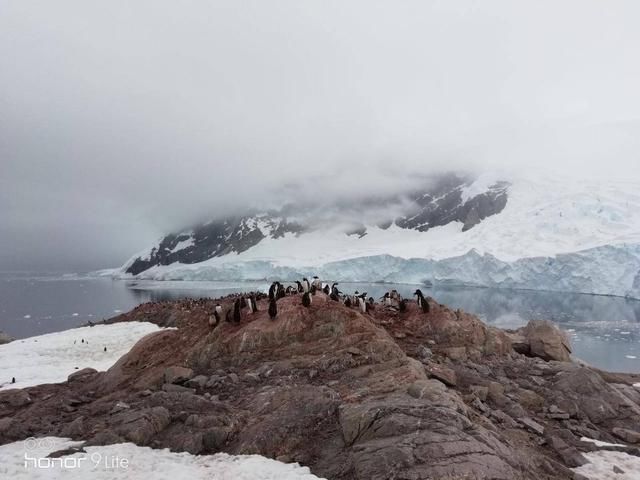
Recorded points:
(391, 300)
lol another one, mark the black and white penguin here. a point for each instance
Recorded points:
(313, 290)
(273, 308)
(334, 296)
(317, 283)
(386, 300)
(105, 349)
(334, 288)
(300, 287)
(347, 301)
(82, 340)
(422, 302)
(13, 379)
(253, 304)
(326, 289)
(218, 308)
(243, 302)
(214, 319)
(403, 305)
(305, 285)
(362, 303)
(306, 299)
(290, 290)
(236, 311)
(354, 298)
(280, 292)
(272, 291)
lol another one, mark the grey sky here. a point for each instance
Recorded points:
(120, 120)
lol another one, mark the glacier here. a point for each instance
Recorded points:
(606, 270)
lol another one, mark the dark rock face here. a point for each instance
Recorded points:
(351, 395)
(438, 203)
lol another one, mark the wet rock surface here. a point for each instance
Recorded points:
(353, 396)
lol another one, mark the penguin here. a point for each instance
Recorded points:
(236, 311)
(403, 305)
(326, 289)
(386, 300)
(218, 308)
(371, 301)
(215, 319)
(422, 302)
(272, 291)
(290, 290)
(243, 302)
(316, 282)
(354, 298)
(305, 285)
(280, 291)
(273, 309)
(313, 289)
(306, 300)
(105, 349)
(334, 296)
(334, 289)
(362, 303)
(253, 304)
(13, 379)
(347, 301)
(300, 287)
(83, 340)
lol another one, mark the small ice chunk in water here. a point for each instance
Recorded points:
(75, 314)
(632, 357)
(27, 316)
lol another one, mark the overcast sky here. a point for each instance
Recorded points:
(121, 120)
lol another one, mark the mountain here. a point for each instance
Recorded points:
(529, 231)
(444, 199)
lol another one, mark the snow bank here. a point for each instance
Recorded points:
(27, 461)
(601, 463)
(52, 357)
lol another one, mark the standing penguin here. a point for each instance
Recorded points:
(280, 291)
(305, 285)
(362, 303)
(326, 289)
(253, 304)
(306, 299)
(316, 282)
(236, 311)
(334, 289)
(403, 305)
(347, 301)
(300, 287)
(13, 379)
(272, 291)
(422, 302)
(273, 308)
(105, 349)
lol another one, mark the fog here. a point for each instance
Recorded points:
(122, 120)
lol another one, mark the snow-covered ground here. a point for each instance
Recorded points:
(28, 461)
(51, 358)
(554, 234)
(602, 462)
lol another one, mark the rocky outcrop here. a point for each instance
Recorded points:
(542, 339)
(353, 396)
(4, 338)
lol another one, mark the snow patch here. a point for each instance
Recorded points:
(51, 358)
(140, 463)
(601, 463)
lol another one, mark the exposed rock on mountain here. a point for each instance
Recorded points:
(353, 396)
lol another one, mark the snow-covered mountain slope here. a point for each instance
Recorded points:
(553, 234)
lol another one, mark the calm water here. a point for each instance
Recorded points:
(605, 331)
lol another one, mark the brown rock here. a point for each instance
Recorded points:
(177, 374)
(546, 341)
(15, 397)
(442, 373)
(629, 436)
(82, 375)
